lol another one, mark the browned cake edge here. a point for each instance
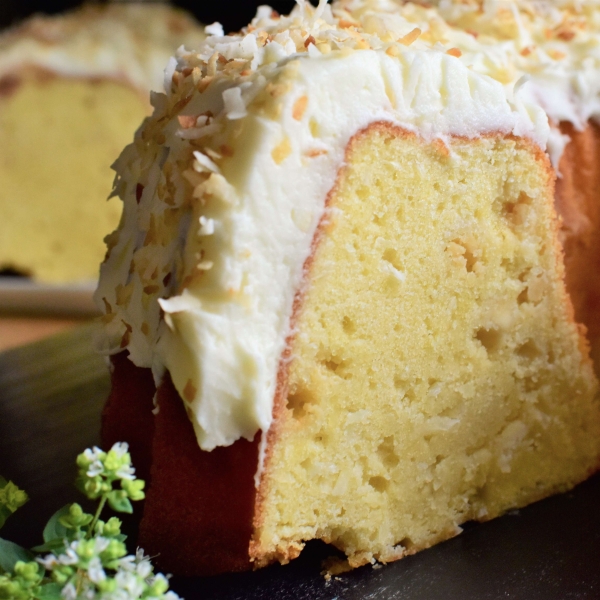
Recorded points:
(578, 204)
(127, 415)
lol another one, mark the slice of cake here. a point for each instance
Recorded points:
(339, 259)
(73, 89)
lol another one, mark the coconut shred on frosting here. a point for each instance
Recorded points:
(225, 185)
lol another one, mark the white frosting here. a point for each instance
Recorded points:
(225, 185)
(554, 44)
(120, 41)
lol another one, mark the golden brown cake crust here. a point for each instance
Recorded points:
(198, 514)
(127, 415)
(577, 202)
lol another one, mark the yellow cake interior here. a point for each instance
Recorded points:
(59, 137)
(436, 376)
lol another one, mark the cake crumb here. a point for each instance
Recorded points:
(334, 566)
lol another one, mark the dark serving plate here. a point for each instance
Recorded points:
(51, 394)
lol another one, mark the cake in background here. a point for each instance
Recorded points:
(339, 261)
(73, 90)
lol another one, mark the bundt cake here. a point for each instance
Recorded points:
(73, 89)
(335, 301)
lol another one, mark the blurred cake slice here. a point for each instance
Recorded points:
(73, 89)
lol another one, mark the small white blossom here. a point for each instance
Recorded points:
(139, 554)
(69, 592)
(95, 469)
(120, 448)
(70, 556)
(95, 571)
(48, 562)
(127, 563)
(126, 472)
(93, 454)
(101, 544)
(129, 582)
(144, 569)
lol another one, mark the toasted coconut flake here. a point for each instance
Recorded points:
(299, 107)
(409, 38)
(186, 121)
(215, 29)
(309, 40)
(189, 391)
(314, 153)
(204, 83)
(207, 226)
(281, 151)
(235, 107)
(204, 163)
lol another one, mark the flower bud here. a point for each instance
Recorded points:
(134, 488)
(112, 527)
(27, 570)
(114, 550)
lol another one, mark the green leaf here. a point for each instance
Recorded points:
(118, 500)
(50, 591)
(3, 482)
(4, 514)
(54, 529)
(10, 553)
(56, 546)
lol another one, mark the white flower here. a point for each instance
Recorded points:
(95, 571)
(69, 592)
(127, 563)
(101, 544)
(93, 454)
(95, 469)
(48, 562)
(89, 593)
(171, 596)
(139, 554)
(120, 448)
(126, 472)
(129, 582)
(144, 569)
(70, 556)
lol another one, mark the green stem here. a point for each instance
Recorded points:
(96, 517)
